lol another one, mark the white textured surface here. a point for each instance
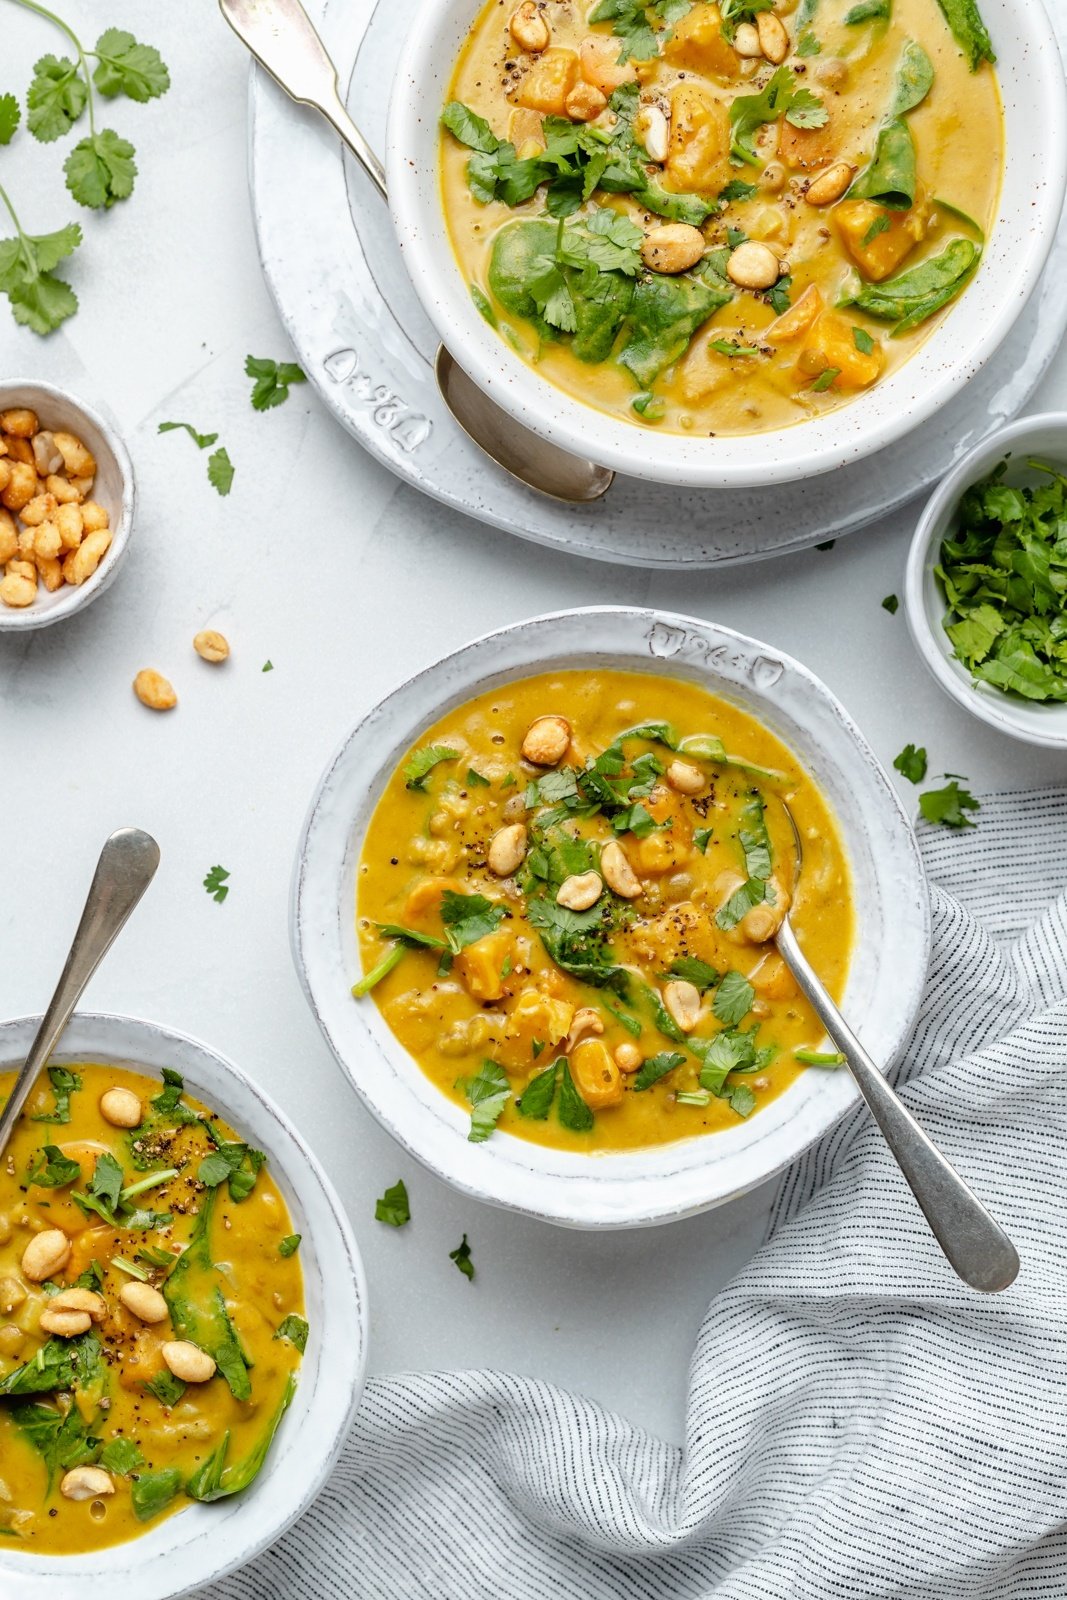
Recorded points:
(318, 561)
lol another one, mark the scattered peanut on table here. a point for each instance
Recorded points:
(52, 532)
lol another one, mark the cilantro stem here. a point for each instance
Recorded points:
(390, 960)
(64, 27)
(153, 1180)
(24, 249)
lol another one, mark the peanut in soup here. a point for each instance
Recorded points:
(720, 219)
(565, 900)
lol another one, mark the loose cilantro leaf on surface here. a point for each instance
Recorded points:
(423, 762)
(1003, 573)
(101, 170)
(694, 971)
(64, 1084)
(891, 604)
(273, 380)
(653, 1068)
(10, 115)
(295, 1329)
(488, 1093)
(215, 884)
(52, 1169)
(631, 1024)
(393, 1207)
(969, 31)
(536, 1099)
(291, 1243)
(572, 1110)
(121, 1456)
(778, 297)
(220, 471)
(733, 999)
(201, 440)
(949, 805)
(56, 98)
(469, 128)
(461, 1255)
(39, 299)
(152, 1492)
(912, 763)
(126, 67)
(468, 917)
(268, 666)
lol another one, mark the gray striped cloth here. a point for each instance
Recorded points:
(859, 1423)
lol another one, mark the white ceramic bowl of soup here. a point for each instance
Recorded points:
(1031, 76)
(1043, 438)
(114, 488)
(200, 1543)
(635, 1187)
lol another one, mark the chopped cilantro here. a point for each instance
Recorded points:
(488, 1093)
(289, 1245)
(653, 1068)
(733, 999)
(215, 884)
(912, 763)
(949, 805)
(423, 762)
(461, 1255)
(393, 1207)
(891, 604)
(273, 379)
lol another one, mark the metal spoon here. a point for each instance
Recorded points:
(281, 36)
(126, 867)
(976, 1247)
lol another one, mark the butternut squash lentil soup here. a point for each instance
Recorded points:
(564, 905)
(151, 1305)
(721, 218)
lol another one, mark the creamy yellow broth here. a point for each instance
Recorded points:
(770, 356)
(497, 1014)
(120, 1408)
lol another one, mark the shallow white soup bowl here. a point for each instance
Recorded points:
(627, 1188)
(1031, 77)
(200, 1543)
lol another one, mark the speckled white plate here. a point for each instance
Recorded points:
(635, 1187)
(200, 1543)
(334, 268)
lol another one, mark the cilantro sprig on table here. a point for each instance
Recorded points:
(39, 298)
(216, 885)
(272, 380)
(949, 805)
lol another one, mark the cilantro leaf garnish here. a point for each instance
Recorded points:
(577, 942)
(733, 999)
(126, 67)
(461, 1255)
(468, 918)
(64, 1083)
(653, 1068)
(949, 805)
(220, 471)
(572, 1110)
(694, 971)
(39, 299)
(912, 763)
(891, 604)
(423, 762)
(55, 99)
(215, 884)
(291, 1243)
(52, 1169)
(536, 1099)
(273, 380)
(394, 1207)
(295, 1329)
(488, 1093)
(781, 96)
(101, 170)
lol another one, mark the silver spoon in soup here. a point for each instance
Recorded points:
(281, 36)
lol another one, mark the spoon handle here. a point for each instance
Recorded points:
(126, 867)
(976, 1247)
(281, 36)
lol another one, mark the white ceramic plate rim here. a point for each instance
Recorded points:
(1035, 100)
(200, 1544)
(924, 606)
(49, 608)
(564, 1187)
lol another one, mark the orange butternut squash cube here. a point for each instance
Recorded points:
(795, 323)
(480, 966)
(876, 249)
(600, 65)
(697, 44)
(596, 1075)
(698, 156)
(538, 1016)
(806, 149)
(832, 344)
(548, 83)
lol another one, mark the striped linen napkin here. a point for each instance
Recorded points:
(890, 1433)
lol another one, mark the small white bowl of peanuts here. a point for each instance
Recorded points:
(66, 504)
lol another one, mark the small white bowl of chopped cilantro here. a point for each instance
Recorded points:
(986, 583)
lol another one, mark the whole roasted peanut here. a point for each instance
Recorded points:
(628, 1057)
(584, 1023)
(19, 450)
(672, 247)
(753, 265)
(79, 461)
(46, 1253)
(68, 519)
(682, 1000)
(654, 131)
(9, 536)
(153, 689)
(529, 29)
(38, 510)
(86, 1483)
(64, 491)
(50, 569)
(46, 457)
(20, 421)
(211, 645)
(830, 184)
(17, 590)
(94, 517)
(746, 41)
(122, 1108)
(546, 741)
(146, 1303)
(580, 891)
(48, 543)
(87, 1301)
(617, 872)
(65, 1324)
(187, 1361)
(80, 564)
(21, 487)
(773, 38)
(684, 778)
(507, 849)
